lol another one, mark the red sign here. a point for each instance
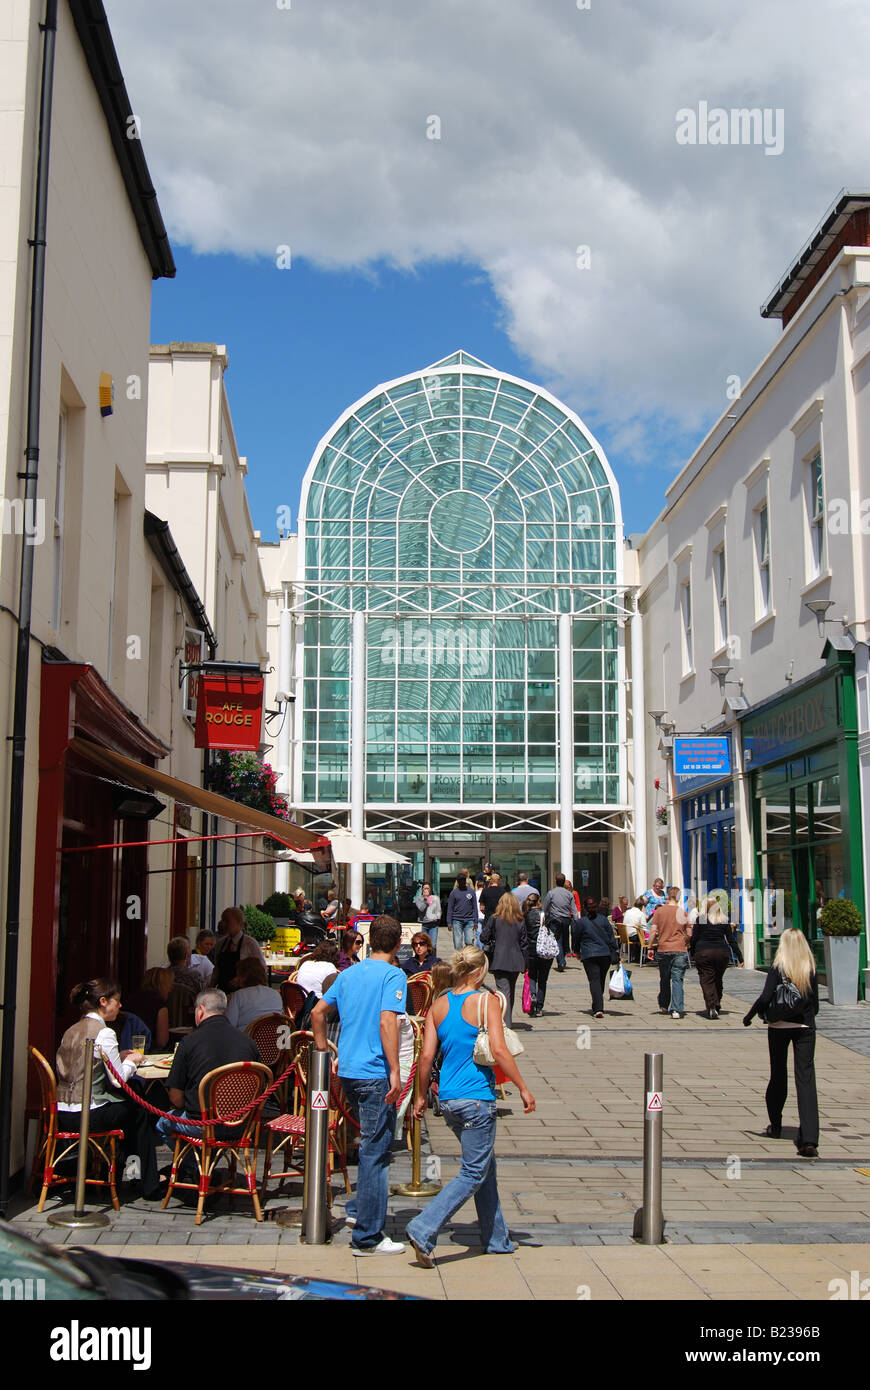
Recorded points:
(229, 712)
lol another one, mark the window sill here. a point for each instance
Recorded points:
(814, 583)
(720, 651)
(688, 675)
(763, 621)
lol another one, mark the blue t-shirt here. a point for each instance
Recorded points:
(361, 996)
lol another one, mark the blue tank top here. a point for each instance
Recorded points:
(460, 1077)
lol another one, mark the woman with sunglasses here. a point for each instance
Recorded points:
(351, 945)
(424, 956)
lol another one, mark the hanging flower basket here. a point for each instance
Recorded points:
(246, 778)
(662, 815)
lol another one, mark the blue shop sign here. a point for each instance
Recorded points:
(698, 761)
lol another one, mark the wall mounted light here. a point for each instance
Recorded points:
(819, 607)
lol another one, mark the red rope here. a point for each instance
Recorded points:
(408, 1084)
(217, 1119)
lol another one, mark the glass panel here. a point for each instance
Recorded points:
(827, 814)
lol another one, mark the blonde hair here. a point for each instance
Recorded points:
(465, 963)
(441, 976)
(713, 911)
(509, 909)
(159, 978)
(795, 959)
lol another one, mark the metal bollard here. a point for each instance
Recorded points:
(649, 1226)
(314, 1205)
(81, 1218)
(416, 1187)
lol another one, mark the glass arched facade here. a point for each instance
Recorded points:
(475, 525)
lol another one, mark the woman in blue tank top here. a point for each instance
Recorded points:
(466, 1094)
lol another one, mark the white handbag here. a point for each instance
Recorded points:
(546, 946)
(482, 1053)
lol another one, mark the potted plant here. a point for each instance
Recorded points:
(258, 924)
(281, 907)
(841, 923)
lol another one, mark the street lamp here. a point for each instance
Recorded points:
(819, 606)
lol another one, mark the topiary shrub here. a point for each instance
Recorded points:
(258, 924)
(279, 905)
(841, 917)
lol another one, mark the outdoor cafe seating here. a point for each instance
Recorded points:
(54, 1145)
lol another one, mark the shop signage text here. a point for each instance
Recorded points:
(779, 732)
(695, 757)
(229, 712)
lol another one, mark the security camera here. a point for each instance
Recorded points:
(285, 698)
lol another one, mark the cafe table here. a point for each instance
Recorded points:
(155, 1066)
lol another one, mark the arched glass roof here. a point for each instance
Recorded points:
(460, 487)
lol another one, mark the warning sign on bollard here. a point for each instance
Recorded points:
(653, 1100)
(319, 1100)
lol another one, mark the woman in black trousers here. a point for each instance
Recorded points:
(794, 1024)
(506, 944)
(539, 966)
(710, 946)
(598, 951)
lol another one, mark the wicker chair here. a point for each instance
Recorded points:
(102, 1144)
(294, 997)
(271, 1034)
(288, 1131)
(221, 1092)
(420, 994)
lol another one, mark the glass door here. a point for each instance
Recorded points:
(445, 872)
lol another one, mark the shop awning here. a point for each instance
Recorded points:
(150, 779)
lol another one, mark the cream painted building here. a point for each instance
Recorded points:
(755, 611)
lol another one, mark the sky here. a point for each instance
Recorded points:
(524, 179)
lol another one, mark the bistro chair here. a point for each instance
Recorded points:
(294, 997)
(420, 994)
(271, 1034)
(221, 1092)
(287, 1132)
(101, 1143)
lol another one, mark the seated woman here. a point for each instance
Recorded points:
(320, 966)
(252, 996)
(424, 956)
(99, 1003)
(351, 945)
(149, 1004)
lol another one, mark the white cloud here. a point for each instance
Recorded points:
(307, 126)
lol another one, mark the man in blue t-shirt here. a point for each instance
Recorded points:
(369, 1000)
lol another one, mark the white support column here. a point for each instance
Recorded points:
(285, 667)
(566, 744)
(356, 878)
(638, 734)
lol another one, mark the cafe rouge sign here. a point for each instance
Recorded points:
(229, 712)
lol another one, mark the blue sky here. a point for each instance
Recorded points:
(304, 343)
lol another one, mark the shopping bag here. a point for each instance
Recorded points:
(527, 994)
(620, 984)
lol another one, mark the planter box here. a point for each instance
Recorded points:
(841, 966)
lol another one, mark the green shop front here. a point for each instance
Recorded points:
(801, 755)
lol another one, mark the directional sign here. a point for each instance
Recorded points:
(653, 1100)
(319, 1100)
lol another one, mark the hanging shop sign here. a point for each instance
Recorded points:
(229, 712)
(194, 653)
(702, 757)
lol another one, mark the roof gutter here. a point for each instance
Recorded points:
(159, 537)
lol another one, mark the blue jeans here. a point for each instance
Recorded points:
(672, 967)
(169, 1130)
(431, 930)
(463, 934)
(561, 929)
(473, 1122)
(376, 1121)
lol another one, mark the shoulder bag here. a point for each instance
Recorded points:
(482, 1053)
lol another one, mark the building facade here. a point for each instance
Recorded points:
(755, 609)
(460, 617)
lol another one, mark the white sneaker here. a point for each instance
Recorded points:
(384, 1247)
(133, 1168)
(350, 1221)
(674, 1014)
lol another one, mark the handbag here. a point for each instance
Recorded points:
(527, 994)
(546, 946)
(482, 1053)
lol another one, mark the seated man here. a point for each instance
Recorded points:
(186, 983)
(213, 1043)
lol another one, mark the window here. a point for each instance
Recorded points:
(721, 591)
(762, 562)
(688, 645)
(59, 487)
(816, 515)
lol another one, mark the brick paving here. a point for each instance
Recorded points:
(570, 1175)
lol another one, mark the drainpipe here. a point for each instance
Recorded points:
(25, 606)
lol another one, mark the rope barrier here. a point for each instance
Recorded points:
(216, 1119)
